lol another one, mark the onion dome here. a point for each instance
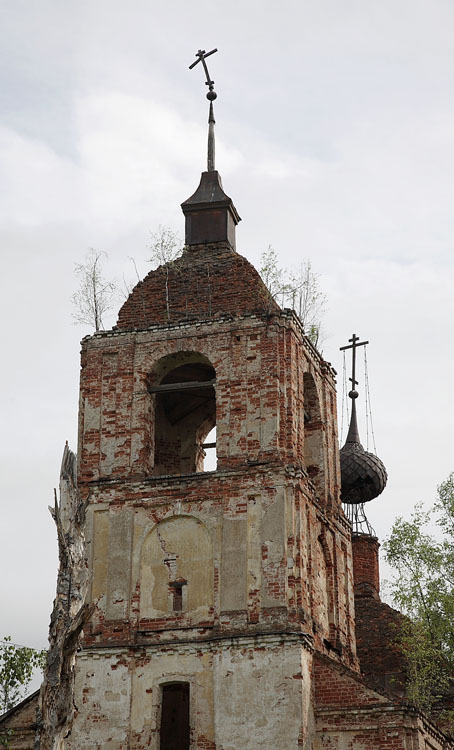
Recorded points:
(363, 475)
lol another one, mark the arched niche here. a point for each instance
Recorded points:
(182, 386)
(326, 568)
(314, 453)
(176, 570)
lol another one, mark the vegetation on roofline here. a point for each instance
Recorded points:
(298, 289)
(96, 295)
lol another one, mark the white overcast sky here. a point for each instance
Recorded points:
(335, 135)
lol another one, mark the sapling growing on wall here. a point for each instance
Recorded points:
(165, 248)
(296, 288)
(96, 294)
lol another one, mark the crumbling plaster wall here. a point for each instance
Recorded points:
(246, 545)
(251, 693)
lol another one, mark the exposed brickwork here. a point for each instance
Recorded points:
(19, 724)
(259, 364)
(279, 547)
(350, 714)
(377, 624)
(262, 634)
(338, 687)
(366, 570)
(377, 630)
(205, 281)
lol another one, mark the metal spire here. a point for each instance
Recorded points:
(211, 96)
(353, 433)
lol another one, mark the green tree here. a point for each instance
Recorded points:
(298, 289)
(423, 589)
(17, 664)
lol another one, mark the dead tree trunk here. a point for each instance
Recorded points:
(70, 612)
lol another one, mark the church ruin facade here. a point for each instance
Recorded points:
(223, 600)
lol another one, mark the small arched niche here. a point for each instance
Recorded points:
(314, 455)
(182, 385)
(326, 583)
(176, 570)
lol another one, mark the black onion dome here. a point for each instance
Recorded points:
(363, 475)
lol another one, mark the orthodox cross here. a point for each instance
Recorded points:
(201, 56)
(355, 342)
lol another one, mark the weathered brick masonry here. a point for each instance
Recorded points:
(224, 600)
(206, 280)
(236, 584)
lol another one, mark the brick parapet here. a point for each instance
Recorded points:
(380, 727)
(346, 703)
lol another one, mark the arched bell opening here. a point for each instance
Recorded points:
(314, 453)
(184, 413)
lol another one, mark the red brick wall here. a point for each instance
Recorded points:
(261, 394)
(205, 281)
(366, 570)
(377, 631)
(259, 364)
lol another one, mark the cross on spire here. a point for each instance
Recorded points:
(201, 56)
(353, 345)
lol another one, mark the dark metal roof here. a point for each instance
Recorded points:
(363, 475)
(210, 194)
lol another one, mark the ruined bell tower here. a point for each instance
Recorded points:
(215, 591)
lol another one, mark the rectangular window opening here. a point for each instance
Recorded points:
(209, 446)
(177, 590)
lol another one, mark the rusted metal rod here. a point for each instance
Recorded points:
(187, 386)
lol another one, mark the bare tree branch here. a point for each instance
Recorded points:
(165, 248)
(95, 295)
(298, 289)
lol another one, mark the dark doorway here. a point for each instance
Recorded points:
(175, 717)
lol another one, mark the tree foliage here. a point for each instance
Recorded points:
(165, 246)
(17, 664)
(96, 295)
(423, 589)
(298, 289)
